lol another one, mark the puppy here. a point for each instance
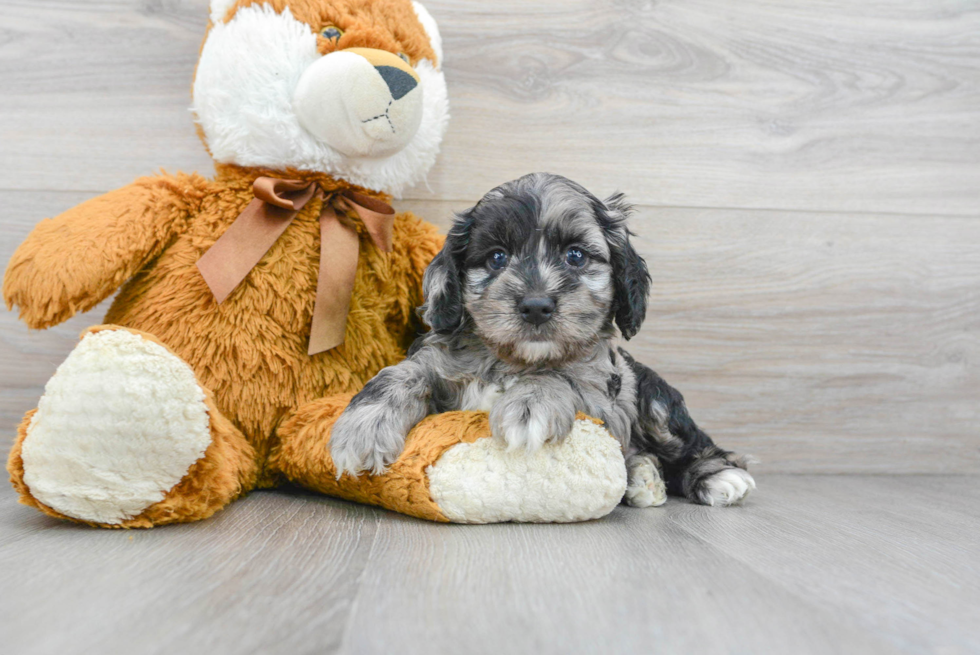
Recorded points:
(524, 302)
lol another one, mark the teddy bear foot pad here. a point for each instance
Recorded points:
(580, 478)
(118, 427)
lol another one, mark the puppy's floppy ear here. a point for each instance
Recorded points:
(631, 279)
(442, 283)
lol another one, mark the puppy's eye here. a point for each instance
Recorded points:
(404, 58)
(331, 32)
(497, 260)
(575, 257)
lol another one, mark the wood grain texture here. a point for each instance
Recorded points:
(810, 564)
(898, 533)
(273, 574)
(97, 93)
(833, 105)
(816, 342)
(618, 585)
(828, 105)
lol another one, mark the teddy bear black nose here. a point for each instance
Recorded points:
(399, 82)
(537, 309)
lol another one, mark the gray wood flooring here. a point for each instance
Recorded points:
(807, 177)
(810, 564)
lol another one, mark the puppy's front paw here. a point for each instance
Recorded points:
(527, 422)
(366, 437)
(725, 487)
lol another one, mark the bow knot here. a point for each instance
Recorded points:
(276, 204)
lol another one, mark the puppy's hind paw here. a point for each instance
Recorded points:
(645, 487)
(725, 487)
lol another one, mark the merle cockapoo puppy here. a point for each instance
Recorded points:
(523, 304)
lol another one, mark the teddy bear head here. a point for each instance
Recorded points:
(349, 88)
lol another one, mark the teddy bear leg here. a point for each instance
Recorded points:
(451, 470)
(303, 457)
(125, 436)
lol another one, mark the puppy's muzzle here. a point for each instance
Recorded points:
(537, 310)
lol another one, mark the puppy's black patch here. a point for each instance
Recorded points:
(614, 385)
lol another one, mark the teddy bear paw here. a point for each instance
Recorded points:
(118, 427)
(579, 478)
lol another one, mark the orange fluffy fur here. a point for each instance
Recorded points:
(250, 351)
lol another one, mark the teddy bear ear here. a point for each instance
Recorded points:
(219, 9)
(431, 30)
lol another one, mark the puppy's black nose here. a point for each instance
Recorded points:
(537, 309)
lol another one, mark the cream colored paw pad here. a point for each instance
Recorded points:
(118, 426)
(581, 478)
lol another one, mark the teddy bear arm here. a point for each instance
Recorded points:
(71, 262)
(451, 470)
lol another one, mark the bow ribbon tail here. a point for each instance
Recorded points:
(277, 202)
(339, 251)
(378, 217)
(335, 281)
(229, 260)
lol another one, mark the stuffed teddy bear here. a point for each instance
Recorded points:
(253, 305)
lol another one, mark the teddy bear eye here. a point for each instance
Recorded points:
(404, 58)
(331, 32)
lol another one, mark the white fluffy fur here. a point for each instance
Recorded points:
(583, 477)
(119, 425)
(243, 99)
(480, 397)
(363, 121)
(219, 8)
(727, 487)
(536, 351)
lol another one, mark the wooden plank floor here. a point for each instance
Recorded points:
(807, 184)
(810, 564)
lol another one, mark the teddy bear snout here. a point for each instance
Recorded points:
(399, 82)
(362, 102)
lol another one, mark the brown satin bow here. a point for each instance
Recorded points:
(276, 204)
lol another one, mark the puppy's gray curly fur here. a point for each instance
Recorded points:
(531, 376)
